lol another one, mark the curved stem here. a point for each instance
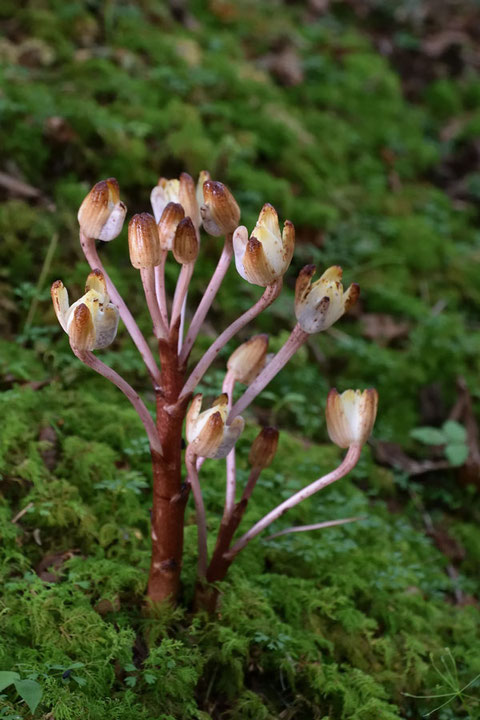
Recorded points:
(270, 294)
(182, 324)
(251, 482)
(91, 255)
(148, 282)
(294, 342)
(181, 292)
(349, 462)
(88, 358)
(160, 287)
(315, 526)
(231, 484)
(208, 297)
(190, 462)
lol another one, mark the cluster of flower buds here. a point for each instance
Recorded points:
(92, 321)
(207, 432)
(266, 255)
(102, 213)
(320, 304)
(351, 416)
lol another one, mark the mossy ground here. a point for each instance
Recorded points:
(342, 624)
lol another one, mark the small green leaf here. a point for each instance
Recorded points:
(456, 454)
(131, 681)
(149, 678)
(30, 691)
(79, 680)
(129, 667)
(428, 435)
(454, 432)
(7, 678)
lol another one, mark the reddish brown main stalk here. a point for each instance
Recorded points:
(169, 498)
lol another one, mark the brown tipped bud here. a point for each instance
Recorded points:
(101, 214)
(185, 243)
(96, 281)
(59, 294)
(168, 223)
(320, 304)
(206, 431)
(187, 196)
(266, 256)
(92, 321)
(81, 330)
(220, 212)
(143, 241)
(249, 359)
(264, 448)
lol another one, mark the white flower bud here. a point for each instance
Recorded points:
(351, 416)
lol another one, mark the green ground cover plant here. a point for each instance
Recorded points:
(349, 622)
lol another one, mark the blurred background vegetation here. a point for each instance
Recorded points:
(359, 121)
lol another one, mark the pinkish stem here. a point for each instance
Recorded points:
(297, 338)
(208, 298)
(316, 526)
(270, 294)
(182, 324)
(91, 255)
(148, 282)
(231, 484)
(160, 287)
(88, 358)
(181, 292)
(191, 462)
(349, 462)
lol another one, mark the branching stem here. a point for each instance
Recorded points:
(93, 259)
(270, 294)
(297, 338)
(208, 297)
(349, 462)
(191, 462)
(88, 358)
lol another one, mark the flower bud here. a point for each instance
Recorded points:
(264, 448)
(188, 199)
(168, 223)
(165, 192)
(101, 214)
(318, 305)
(182, 192)
(80, 328)
(249, 359)
(207, 433)
(351, 416)
(185, 243)
(143, 241)
(220, 212)
(202, 178)
(91, 322)
(266, 256)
